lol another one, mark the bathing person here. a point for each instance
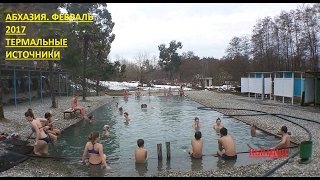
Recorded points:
(141, 154)
(197, 144)
(125, 93)
(164, 91)
(106, 130)
(50, 123)
(91, 119)
(120, 110)
(169, 93)
(196, 123)
(149, 90)
(218, 124)
(53, 133)
(41, 139)
(117, 104)
(181, 92)
(95, 151)
(144, 106)
(138, 93)
(126, 116)
(226, 143)
(285, 140)
(74, 105)
(253, 130)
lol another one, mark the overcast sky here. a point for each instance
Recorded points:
(204, 28)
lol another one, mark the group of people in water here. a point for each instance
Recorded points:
(226, 145)
(45, 132)
(166, 92)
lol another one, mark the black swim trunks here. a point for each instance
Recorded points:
(226, 157)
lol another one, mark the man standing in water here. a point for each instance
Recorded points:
(138, 93)
(226, 143)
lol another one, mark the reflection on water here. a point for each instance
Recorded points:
(225, 163)
(142, 169)
(196, 164)
(93, 170)
(171, 121)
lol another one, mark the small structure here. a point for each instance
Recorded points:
(312, 88)
(206, 81)
(259, 83)
(24, 83)
(288, 84)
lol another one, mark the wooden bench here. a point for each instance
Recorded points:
(70, 111)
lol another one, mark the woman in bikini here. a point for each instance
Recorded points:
(42, 139)
(95, 151)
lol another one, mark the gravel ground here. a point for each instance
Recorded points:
(267, 123)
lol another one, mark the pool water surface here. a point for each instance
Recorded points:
(170, 120)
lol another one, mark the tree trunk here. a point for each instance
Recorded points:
(2, 29)
(85, 56)
(97, 86)
(51, 78)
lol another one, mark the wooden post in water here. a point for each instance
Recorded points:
(159, 150)
(168, 150)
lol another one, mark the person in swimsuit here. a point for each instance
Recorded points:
(218, 124)
(125, 93)
(91, 119)
(253, 130)
(141, 154)
(197, 123)
(164, 91)
(138, 93)
(126, 116)
(117, 104)
(226, 143)
(120, 110)
(106, 130)
(74, 105)
(53, 133)
(169, 93)
(95, 151)
(181, 92)
(41, 138)
(42, 120)
(285, 140)
(197, 144)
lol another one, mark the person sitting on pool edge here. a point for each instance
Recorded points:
(74, 105)
(95, 151)
(197, 144)
(226, 143)
(218, 124)
(141, 154)
(285, 140)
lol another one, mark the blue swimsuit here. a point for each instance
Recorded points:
(92, 151)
